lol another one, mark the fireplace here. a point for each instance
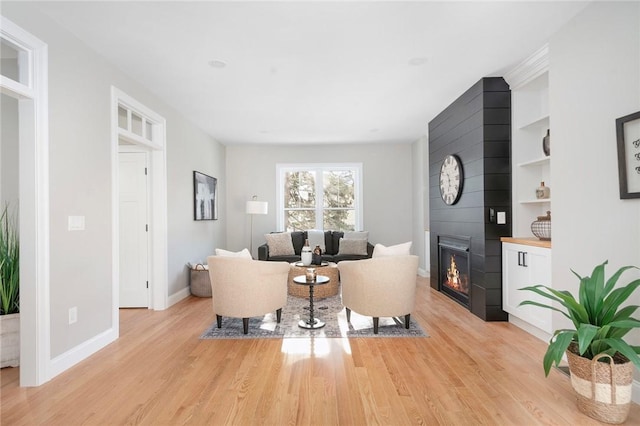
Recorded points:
(455, 268)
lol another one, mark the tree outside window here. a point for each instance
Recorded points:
(317, 196)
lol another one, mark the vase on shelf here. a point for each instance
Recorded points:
(306, 256)
(543, 191)
(541, 227)
(546, 143)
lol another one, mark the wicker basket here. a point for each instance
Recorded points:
(603, 389)
(199, 281)
(321, 291)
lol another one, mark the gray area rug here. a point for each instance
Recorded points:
(329, 310)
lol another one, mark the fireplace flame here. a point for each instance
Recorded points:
(454, 280)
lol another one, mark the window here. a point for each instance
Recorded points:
(319, 196)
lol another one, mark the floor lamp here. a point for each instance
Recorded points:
(255, 207)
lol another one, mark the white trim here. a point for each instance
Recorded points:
(158, 255)
(35, 347)
(179, 295)
(282, 168)
(529, 69)
(81, 352)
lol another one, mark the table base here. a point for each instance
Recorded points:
(306, 324)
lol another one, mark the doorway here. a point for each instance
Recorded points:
(134, 227)
(138, 129)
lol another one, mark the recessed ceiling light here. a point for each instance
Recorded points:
(420, 60)
(217, 63)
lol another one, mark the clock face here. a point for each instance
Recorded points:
(451, 179)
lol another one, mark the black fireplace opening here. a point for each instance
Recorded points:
(455, 268)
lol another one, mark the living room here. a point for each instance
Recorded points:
(594, 78)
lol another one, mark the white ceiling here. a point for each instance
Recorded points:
(312, 72)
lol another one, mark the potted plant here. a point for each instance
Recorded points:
(9, 291)
(600, 360)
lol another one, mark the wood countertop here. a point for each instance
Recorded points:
(527, 241)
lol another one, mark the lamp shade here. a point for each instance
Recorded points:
(257, 207)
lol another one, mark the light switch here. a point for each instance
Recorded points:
(502, 218)
(76, 223)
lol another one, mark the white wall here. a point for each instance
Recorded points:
(594, 78)
(420, 176)
(9, 153)
(387, 187)
(80, 181)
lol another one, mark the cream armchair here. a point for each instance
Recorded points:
(244, 288)
(379, 287)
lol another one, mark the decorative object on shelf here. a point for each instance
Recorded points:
(205, 195)
(543, 191)
(317, 256)
(628, 136)
(451, 179)
(541, 227)
(310, 274)
(599, 329)
(546, 143)
(306, 257)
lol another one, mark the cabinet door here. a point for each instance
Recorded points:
(525, 266)
(539, 273)
(514, 277)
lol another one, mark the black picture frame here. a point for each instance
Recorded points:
(628, 138)
(205, 197)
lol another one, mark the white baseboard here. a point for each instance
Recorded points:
(423, 273)
(81, 352)
(178, 296)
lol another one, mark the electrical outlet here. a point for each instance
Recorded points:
(73, 315)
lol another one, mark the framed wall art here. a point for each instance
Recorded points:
(205, 197)
(628, 136)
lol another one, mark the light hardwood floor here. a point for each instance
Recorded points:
(469, 372)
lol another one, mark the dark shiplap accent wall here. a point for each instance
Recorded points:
(477, 128)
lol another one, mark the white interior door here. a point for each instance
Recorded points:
(134, 255)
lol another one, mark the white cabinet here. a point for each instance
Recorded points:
(523, 266)
(529, 83)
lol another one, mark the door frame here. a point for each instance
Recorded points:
(136, 149)
(33, 112)
(156, 148)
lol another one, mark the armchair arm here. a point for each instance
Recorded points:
(263, 252)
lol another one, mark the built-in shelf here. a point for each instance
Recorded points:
(537, 162)
(536, 201)
(538, 122)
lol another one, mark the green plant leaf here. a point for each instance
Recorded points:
(576, 312)
(616, 298)
(557, 347)
(626, 350)
(611, 282)
(586, 333)
(542, 305)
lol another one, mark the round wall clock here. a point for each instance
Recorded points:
(451, 179)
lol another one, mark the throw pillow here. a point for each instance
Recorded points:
(347, 246)
(356, 235)
(226, 253)
(316, 238)
(280, 244)
(403, 249)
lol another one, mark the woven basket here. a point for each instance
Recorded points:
(199, 283)
(603, 389)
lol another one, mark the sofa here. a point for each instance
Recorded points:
(330, 254)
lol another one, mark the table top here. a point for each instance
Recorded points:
(302, 279)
